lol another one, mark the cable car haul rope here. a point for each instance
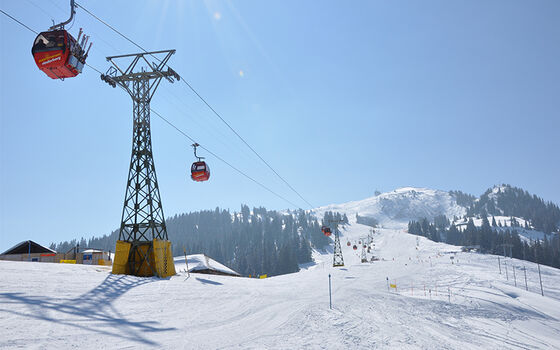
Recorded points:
(59, 55)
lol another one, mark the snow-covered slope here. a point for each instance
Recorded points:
(439, 303)
(395, 209)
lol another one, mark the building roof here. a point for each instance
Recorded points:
(92, 251)
(28, 247)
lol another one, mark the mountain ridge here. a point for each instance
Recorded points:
(396, 208)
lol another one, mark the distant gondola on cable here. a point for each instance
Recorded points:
(199, 170)
(57, 53)
(326, 231)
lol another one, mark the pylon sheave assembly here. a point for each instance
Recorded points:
(143, 247)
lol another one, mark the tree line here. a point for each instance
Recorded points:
(512, 201)
(250, 242)
(491, 239)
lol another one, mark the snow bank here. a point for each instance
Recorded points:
(200, 262)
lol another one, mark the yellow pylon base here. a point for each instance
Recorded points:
(147, 259)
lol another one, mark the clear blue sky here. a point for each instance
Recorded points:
(341, 98)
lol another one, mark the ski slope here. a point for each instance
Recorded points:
(396, 208)
(77, 306)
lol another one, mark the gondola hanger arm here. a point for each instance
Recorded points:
(62, 24)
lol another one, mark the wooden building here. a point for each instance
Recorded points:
(32, 251)
(29, 251)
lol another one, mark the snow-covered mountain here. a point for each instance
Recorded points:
(395, 209)
(506, 200)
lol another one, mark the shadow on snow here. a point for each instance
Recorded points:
(205, 281)
(91, 311)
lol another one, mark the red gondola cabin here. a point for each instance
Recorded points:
(58, 54)
(326, 231)
(200, 171)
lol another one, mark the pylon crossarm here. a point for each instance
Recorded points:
(172, 51)
(155, 67)
(130, 66)
(138, 75)
(115, 66)
(136, 59)
(117, 75)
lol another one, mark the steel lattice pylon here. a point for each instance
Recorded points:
(142, 217)
(363, 257)
(338, 260)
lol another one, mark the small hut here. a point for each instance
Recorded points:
(95, 257)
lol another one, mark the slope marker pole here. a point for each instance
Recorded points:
(330, 294)
(525, 273)
(499, 265)
(186, 262)
(540, 279)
